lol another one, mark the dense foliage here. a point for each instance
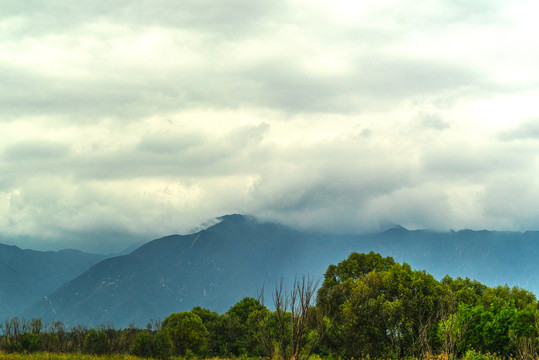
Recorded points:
(368, 306)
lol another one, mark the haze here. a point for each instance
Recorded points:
(124, 121)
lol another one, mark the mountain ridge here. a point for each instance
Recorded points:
(237, 256)
(168, 272)
(29, 274)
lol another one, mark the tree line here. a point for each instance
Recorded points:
(367, 306)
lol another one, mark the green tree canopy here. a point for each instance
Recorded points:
(187, 332)
(245, 319)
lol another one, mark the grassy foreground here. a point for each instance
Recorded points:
(76, 356)
(470, 355)
(59, 356)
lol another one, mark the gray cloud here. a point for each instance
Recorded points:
(410, 77)
(339, 183)
(159, 154)
(221, 17)
(108, 83)
(431, 121)
(165, 144)
(35, 151)
(528, 129)
(463, 162)
(128, 120)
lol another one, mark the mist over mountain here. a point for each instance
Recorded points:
(238, 256)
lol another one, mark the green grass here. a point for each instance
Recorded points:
(58, 356)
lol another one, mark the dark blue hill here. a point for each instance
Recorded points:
(213, 268)
(27, 275)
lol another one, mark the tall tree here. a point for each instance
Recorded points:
(187, 332)
(246, 318)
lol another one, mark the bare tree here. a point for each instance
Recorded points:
(293, 326)
(78, 333)
(156, 324)
(8, 331)
(58, 329)
(18, 327)
(280, 302)
(36, 325)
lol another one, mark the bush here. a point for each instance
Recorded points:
(50, 343)
(162, 345)
(476, 355)
(143, 346)
(96, 342)
(30, 342)
(12, 347)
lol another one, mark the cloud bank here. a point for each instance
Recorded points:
(123, 121)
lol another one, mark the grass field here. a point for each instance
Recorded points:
(60, 356)
(55, 356)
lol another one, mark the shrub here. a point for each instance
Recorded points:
(143, 346)
(476, 355)
(162, 345)
(30, 342)
(96, 342)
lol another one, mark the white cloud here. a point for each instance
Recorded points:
(142, 119)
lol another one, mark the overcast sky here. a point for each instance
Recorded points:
(123, 121)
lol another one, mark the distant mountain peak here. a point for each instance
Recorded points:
(395, 228)
(236, 218)
(232, 219)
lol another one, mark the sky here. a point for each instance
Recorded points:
(125, 121)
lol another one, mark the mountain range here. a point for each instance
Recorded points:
(237, 257)
(27, 275)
